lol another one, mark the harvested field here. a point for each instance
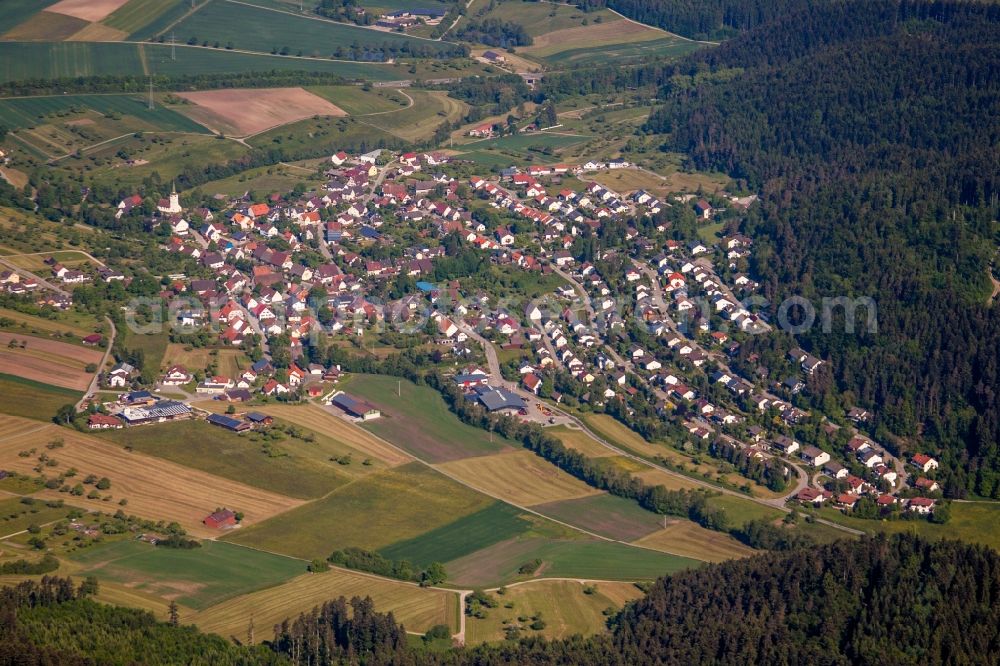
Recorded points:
(155, 489)
(370, 513)
(88, 10)
(47, 361)
(604, 514)
(417, 608)
(567, 610)
(246, 112)
(580, 441)
(519, 477)
(98, 32)
(46, 26)
(322, 421)
(619, 435)
(13, 426)
(588, 36)
(683, 537)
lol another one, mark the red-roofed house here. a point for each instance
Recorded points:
(921, 505)
(103, 422)
(221, 520)
(532, 382)
(924, 462)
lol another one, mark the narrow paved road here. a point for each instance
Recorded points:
(45, 283)
(92, 388)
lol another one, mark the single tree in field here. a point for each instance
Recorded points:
(174, 615)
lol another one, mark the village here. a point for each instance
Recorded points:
(649, 330)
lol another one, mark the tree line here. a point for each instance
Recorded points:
(866, 601)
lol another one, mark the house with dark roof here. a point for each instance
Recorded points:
(228, 422)
(356, 407)
(499, 399)
(257, 418)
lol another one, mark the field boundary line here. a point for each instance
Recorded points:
(520, 507)
(459, 592)
(665, 32)
(193, 10)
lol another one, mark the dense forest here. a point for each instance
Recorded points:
(870, 130)
(700, 19)
(899, 600)
(495, 32)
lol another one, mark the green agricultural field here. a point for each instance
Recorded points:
(165, 155)
(970, 521)
(197, 578)
(539, 18)
(153, 346)
(603, 560)
(263, 30)
(267, 179)
(30, 111)
(158, 24)
(334, 133)
(394, 5)
(136, 14)
(493, 160)
(607, 515)
(420, 423)
(54, 60)
(78, 324)
(493, 524)
(524, 143)
(371, 513)
(359, 102)
(657, 48)
(15, 12)
(240, 457)
(33, 400)
(418, 121)
(741, 510)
